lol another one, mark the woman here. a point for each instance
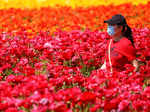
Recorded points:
(120, 48)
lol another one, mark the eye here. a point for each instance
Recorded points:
(109, 25)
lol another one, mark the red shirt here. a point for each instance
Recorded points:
(121, 53)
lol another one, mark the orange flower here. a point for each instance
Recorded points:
(65, 18)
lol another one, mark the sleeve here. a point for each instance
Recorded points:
(127, 49)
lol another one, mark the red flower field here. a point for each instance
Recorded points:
(50, 61)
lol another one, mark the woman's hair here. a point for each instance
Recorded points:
(127, 32)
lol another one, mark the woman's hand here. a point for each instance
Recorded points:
(104, 65)
(136, 65)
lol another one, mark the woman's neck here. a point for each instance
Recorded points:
(116, 39)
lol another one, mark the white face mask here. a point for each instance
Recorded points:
(110, 30)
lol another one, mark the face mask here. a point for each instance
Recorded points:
(110, 30)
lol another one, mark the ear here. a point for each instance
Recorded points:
(120, 27)
(123, 28)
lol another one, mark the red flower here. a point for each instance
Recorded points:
(88, 96)
(11, 109)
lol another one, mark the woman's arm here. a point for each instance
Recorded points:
(136, 65)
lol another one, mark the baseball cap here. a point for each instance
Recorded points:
(116, 19)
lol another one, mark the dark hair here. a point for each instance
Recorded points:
(127, 32)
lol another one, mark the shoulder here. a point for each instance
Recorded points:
(124, 42)
(126, 48)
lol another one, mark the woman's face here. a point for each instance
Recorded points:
(117, 31)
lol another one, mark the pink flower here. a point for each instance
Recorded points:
(123, 105)
(23, 61)
(48, 45)
(11, 78)
(38, 65)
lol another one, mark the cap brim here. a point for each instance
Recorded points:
(109, 21)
